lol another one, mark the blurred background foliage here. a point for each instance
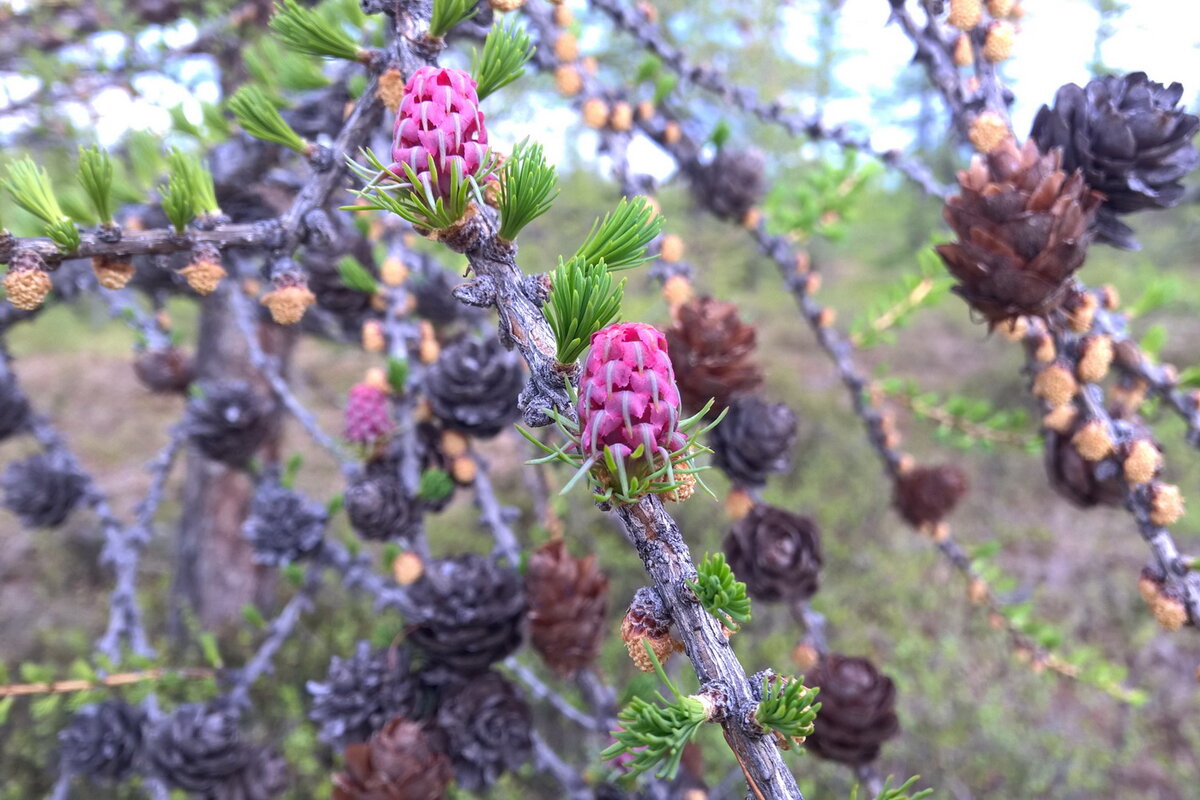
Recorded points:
(977, 722)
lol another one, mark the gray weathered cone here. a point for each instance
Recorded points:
(42, 490)
(1131, 140)
(283, 525)
(733, 183)
(103, 741)
(488, 729)
(378, 505)
(361, 693)
(198, 748)
(263, 778)
(474, 385)
(469, 612)
(753, 441)
(14, 408)
(228, 421)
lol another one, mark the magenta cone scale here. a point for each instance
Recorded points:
(367, 416)
(628, 400)
(439, 117)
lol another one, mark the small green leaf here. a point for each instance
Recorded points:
(294, 574)
(397, 374)
(253, 616)
(436, 486)
(212, 654)
(721, 594)
(655, 734)
(583, 299)
(506, 51)
(448, 13)
(787, 707)
(29, 186)
(528, 186)
(356, 276)
(1153, 340)
(288, 479)
(306, 31)
(6, 705)
(620, 238)
(96, 177)
(258, 117)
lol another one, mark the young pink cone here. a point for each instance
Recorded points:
(440, 117)
(628, 398)
(367, 417)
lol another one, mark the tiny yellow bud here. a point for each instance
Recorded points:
(287, 304)
(1055, 384)
(965, 14)
(1142, 463)
(988, 131)
(376, 377)
(1095, 358)
(621, 118)
(568, 80)
(373, 340)
(393, 272)
(1092, 441)
(112, 272)
(407, 568)
(1166, 504)
(27, 288)
(595, 113)
(998, 45)
(677, 290)
(964, 53)
(671, 248)
(391, 89)
(566, 47)
(463, 469)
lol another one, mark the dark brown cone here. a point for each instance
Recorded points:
(713, 353)
(568, 603)
(776, 553)
(926, 495)
(165, 370)
(399, 763)
(857, 710)
(1083, 482)
(1023, 228)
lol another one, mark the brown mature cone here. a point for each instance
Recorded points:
(857, 710)
(1023, 228)
(713, 353)
(399, 763)
(776, 553)
(568, 603)
(1083, 482)
(926, 495)
(165, 370)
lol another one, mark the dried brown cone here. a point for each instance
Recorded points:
(1023, 229)
(646, 621)
(713, 352)
(924, 496)
(112, 272)
(398, 763)
(776, 553)
(1084, 483)
(165, 370)
(858, 710)
(568, 603)
(27, 284)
